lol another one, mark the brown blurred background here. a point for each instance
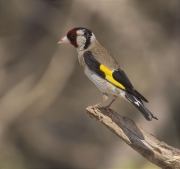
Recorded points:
(44, 92)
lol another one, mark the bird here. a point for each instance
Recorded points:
(103, 70)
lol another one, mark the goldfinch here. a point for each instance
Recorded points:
(103, 70)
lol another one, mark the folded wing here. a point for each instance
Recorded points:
(116, 77)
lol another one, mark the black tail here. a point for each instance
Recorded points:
(139, 105)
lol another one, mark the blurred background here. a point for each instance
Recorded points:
(44, 92)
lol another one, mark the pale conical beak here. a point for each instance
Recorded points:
(64, 40)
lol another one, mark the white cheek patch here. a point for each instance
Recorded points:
(81, 40)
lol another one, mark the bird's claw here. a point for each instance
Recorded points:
(96, 110)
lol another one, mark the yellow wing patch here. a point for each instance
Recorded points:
(108, 75)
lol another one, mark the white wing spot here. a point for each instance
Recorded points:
(137, 102)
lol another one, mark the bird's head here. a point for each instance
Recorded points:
(79, 37)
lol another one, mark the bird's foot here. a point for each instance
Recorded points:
(96, 110)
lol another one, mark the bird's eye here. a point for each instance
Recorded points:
(73, 37)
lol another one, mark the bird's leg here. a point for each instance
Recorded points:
(105, 97)
(108, 106)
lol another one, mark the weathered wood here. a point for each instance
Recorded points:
(146, 144)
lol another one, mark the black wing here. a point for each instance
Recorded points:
(120, 76)
(93, 64)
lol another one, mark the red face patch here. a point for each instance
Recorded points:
(72, 35)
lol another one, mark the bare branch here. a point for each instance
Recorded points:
(147, 145)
